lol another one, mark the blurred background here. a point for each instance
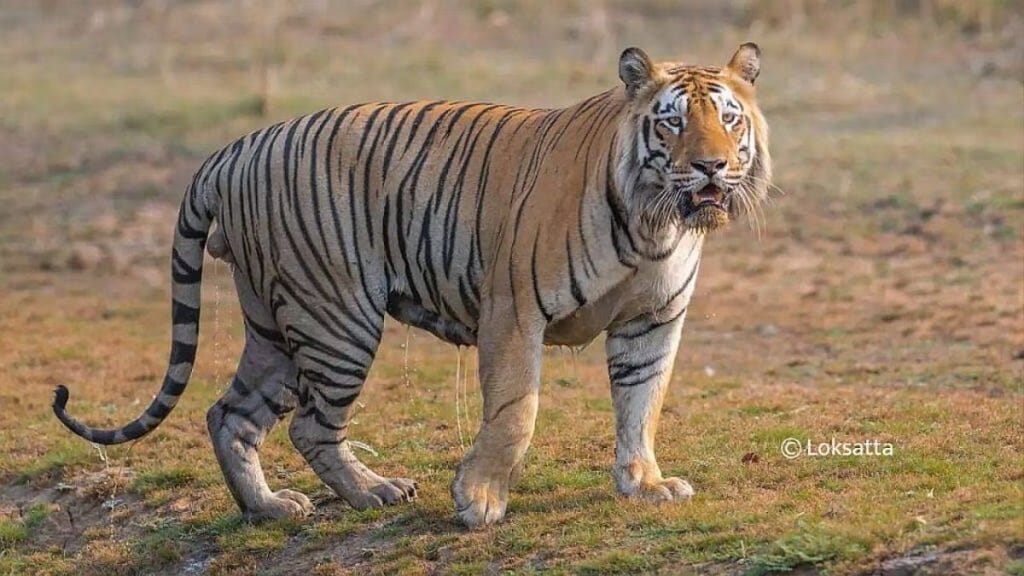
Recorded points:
(897, 131)
(885, 289)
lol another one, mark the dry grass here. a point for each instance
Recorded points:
(882, 301)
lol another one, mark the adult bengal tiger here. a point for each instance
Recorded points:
(488, 225)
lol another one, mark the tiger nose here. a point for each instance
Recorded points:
(709, 166)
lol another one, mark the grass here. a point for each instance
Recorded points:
(257, 540)
(881, 302)
(808, 546)
(17, 531)
(163, 479)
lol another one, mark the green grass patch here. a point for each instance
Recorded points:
(807, 546)
(16, 530)
(15, 563)
(69, 453)
(161, 548)
(220, 525)
(149, 482)
(259, 540)
(12, 532)
(617, 562)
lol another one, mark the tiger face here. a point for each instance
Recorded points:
(697, 140)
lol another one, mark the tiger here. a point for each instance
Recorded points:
(488, 225)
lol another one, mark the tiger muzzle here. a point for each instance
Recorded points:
(707, 209)
(709, 196)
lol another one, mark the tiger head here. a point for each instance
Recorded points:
(693, 147)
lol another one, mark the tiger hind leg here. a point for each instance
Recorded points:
(259, 397)
(261, 394)
(333, 360)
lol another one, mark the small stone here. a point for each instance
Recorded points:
(768, 330)
(908, 565)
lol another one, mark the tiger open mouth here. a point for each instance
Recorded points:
(707, 209)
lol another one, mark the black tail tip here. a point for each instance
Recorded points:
(60, 398)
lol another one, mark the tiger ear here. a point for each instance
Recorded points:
(635, 70)
(746, 62)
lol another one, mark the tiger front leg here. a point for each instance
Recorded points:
(510, 381)
(640, 357)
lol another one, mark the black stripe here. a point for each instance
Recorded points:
(647, 328)
(158, 410)
(239, 387)
(182, 352)
(131, 432)
(182, 272)
(184, 314)
(536, 287)
(271, 334)
(173, 387)
(574, 283)
(621, 372)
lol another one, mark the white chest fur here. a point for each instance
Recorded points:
(654, 287)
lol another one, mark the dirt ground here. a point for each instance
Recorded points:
(882, 296)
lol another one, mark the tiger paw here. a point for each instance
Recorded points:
(281, 505)
(479, 502)
(387, 493)
(663, 490)
(643, 480)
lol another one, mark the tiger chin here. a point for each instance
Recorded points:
(707, 210)
(488, 225)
